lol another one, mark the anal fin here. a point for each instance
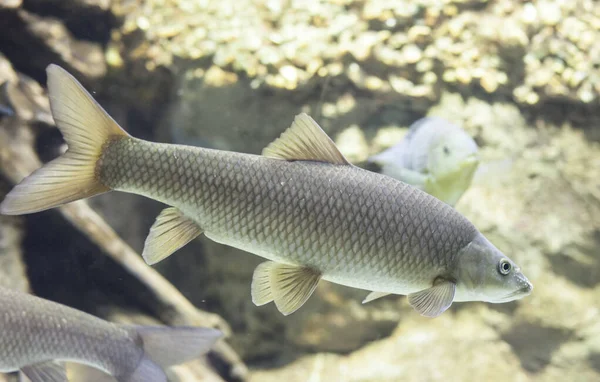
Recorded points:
(289, 286)
(171, 231)
(374, 296)
(433, 301)
(45, 372)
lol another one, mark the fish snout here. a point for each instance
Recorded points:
(526, 285)
(472, 158)
(528, 288)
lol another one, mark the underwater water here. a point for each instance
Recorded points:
(489, 106)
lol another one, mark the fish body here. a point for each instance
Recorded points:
(436, 156)
(34, 332)
(301, 205)
(342, 220)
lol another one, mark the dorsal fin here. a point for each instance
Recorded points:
(305, 140)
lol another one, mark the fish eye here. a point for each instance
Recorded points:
(446, 150)
(504, 267)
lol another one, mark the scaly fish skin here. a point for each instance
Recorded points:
(356, 227)
(35, 331)
(301, 205)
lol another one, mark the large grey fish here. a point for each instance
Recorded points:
(35, 333)
(435, 156)
(300, 205)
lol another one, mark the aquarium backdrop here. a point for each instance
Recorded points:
(490, 114)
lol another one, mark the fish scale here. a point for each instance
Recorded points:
(303, 213)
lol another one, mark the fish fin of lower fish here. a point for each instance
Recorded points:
(147, 370)
(374, 296)
(305, 140)
(433, 301)
(171, 231)
(45, 372)
(86, 128)
(168, 346)
(289, 285)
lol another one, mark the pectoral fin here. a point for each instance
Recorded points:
(171, 231)
(374, 296)
(45, 372)
(433, 301)
(288, 285)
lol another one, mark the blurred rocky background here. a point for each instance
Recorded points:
(523, 78)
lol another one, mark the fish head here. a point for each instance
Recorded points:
(452, 161)
(451, 153)
(484, 273)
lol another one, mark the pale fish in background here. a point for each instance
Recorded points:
(436, 156)
(301, 205)
(37, 336)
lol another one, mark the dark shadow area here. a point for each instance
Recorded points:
(534, 345)
(583, 273)
(48, 144)
(64, 266)
(507, 308)
(594, 359)
(84, 19)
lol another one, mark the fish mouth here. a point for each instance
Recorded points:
(471, 158)
(471, 161)
(525, 290)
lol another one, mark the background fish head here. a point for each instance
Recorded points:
(452, 152)
(486, 274)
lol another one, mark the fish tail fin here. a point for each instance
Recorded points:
(146, 371)
(168, 346)
(86, 128)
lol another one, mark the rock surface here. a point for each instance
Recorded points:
(51, 41)
(13, 271)
(534, 53)
(415, 351)
(12, 267)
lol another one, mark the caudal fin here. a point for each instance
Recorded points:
(167, 346)
(86, 127)
(146, 371)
